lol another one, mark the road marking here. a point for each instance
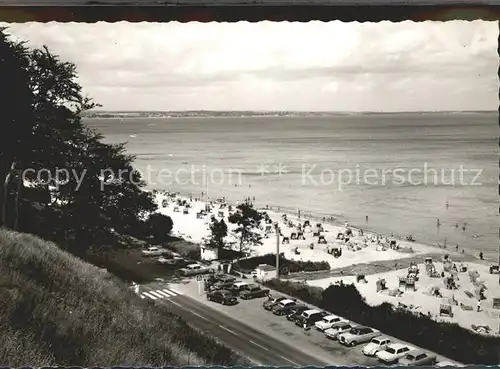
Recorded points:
(163, 294)
(175, 303)
(293, 362)
(152, 297)
(256, 344)
(227, 329)
(154, 293)
(175, 291)
(198, 315)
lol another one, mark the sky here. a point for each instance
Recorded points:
(314, 66)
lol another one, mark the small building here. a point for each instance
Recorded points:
(209, 254)
(265, 272)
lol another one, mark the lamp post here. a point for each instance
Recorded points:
(277, 229)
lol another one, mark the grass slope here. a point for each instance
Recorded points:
(56, 309)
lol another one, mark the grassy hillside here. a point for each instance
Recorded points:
(57, 309)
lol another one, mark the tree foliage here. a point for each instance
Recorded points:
(70, 186)
(247, 219)
(159, 226)
(218, 232)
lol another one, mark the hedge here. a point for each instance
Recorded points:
(286, 265)
(446, 339)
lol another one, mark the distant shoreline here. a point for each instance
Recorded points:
(252, 114)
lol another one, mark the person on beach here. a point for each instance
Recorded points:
(447, 205)
(456, 248)
(438, 223)
(456, 225)
(481, 255)
(479, 303)
(299, 213)
(366, 219)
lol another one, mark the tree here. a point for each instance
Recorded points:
(218, 231)
(43, 133)
(17, 114)
(247, 218)
(159, 226)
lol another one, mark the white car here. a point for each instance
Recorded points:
(376, 344)
(337, 329)
(393, 353)
(173, 260)
(357, 335)
(327, 322)
(153, 251)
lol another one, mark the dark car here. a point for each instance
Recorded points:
(222, 297)
(296, 311)
(222, 285)
(309, 317)
(254, 291)
(287, 310)
(268, 304)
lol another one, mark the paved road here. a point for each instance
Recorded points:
(253, 344)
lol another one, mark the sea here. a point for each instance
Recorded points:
(430, 175)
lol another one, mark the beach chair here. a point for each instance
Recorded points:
(300, 235)
(293, 236)
(307, 223)
(410, 284)
(176, 209)
(496, 303)
(322, 240)
(402, 281)
(286, 240)
(221, 214)
(445, 310)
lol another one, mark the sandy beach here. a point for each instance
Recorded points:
(363, 254)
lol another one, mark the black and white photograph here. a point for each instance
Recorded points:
(249, 194)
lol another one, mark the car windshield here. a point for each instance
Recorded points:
(354, 331)
(376, 341)
(410, 357)
(390, 350)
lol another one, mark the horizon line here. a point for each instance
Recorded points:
(290, 111)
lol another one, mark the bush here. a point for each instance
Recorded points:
(446, 339)
(159, 227)
(286, 265)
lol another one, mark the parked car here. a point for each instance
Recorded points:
(417, 358)
(174, 260)
(269, 303)
(222, 296)
(393, 353)
(309, 317)
(283, 304)
(337, 329)
(327, 322)
(286, 310)
(195, 269)
(254, 291)
(448, 363)
(376, 344)
(295, 311)
(153, 251)
(223, 285)
(357, 335)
